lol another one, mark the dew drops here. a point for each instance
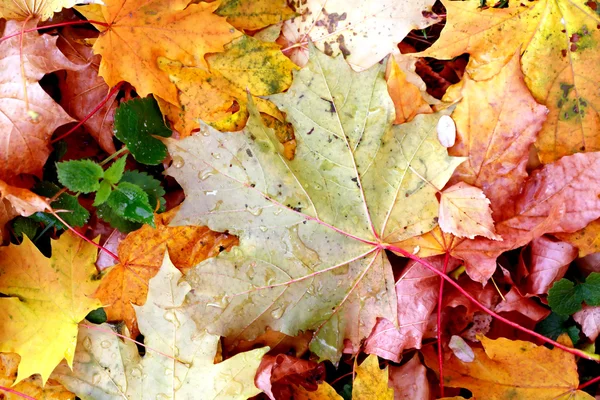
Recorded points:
(171, 317)
(263, 228)
(207, 173)
(216, 155)
(278, 211)
(96, 378)
(256, 211)
(162, 396)
(277, 312)
(87, 343)
(136, 372)
(178, 161)
(204, 131)
(316, 186)
(105, 344)
(220, 303)
(168, 372)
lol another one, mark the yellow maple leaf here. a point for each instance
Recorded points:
(141, 254)
(557, 39)
(254, 14)
(587, 240)
(139, 33)
(247, 65)
(30, 9)
(407, 98)
(33, 386)
(48, 297)
(512, 369)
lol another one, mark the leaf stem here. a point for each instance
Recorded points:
(439, 326)
(101, 248)
(588, 383)
(114, 155)
(37, 28)
(543, 338)
(91, 114)
(23, 395)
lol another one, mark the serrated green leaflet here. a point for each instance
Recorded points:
(114, 173)
(119, 223)
(103, 193)
(555, 325)
(312, 230)
(80, 175)
(565, 297)
(149, 185)
(25, 226)
(131, 202)
(136, 122)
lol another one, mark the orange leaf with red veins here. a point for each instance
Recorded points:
(409, 381)
(512, 369)
(516, 302)
(28, 9)
(429, 244)
(589, 319)
(496, 121)
(548, 262)
(140, 32)
(465, 212)
(559, 197)
(407, 98)
(141, 254)
(83, 90)
(25, 133)
(417, 292)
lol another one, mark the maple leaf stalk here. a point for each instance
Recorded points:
(588, 383)
(23, 395)
(439, 327)
(472, 299)
(100, 247)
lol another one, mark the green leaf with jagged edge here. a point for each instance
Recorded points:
(80, 175)
(114, 173)
(311, 230)
(131, 202)
(149, 185)
(25, 226)
(555, 325)
(66, 205)
(119, 223)
(179, 361)
(137, 121)
(565, 297)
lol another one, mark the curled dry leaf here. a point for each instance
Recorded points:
(47, 298)
(25, 133)
(465, 212)
(417, 295)
(514, 301)
(363, 31)
(589, 319)
(141, 255)
(497, 121)
(277, 375)
(559, 197)
(83, 90)
(139, 33)
(556, 39)
(407, 98)
(547, 262)
(461, 349)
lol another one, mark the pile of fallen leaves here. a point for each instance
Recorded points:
(302, 199)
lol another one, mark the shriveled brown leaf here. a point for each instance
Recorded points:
(83, 90)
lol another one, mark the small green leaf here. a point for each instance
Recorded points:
(136, 122)
(131, 202)
(97, 316)
(25, 226)
(80, 175)
(590, 289)
(149, 185)
(72, 212)
(564, 298)
(121, 224)
(555, 325)
(114, 173)
(102, 193)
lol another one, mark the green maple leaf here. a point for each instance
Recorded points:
(312, 230)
